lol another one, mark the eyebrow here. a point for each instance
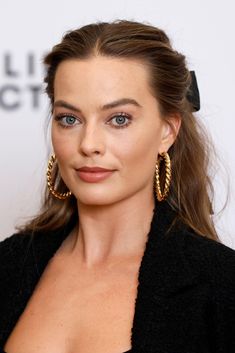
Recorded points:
(114, 104)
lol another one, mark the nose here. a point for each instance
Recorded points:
(92, 140)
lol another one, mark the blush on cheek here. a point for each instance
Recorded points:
(62, 146)
(145, 153)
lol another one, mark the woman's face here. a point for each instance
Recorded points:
(104, 115)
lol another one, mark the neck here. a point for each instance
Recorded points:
(112, 232)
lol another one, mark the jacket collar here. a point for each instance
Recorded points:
(163, 269)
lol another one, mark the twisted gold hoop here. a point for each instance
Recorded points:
(51, 184)
(162, 195)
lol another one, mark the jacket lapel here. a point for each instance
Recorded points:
(163, 272)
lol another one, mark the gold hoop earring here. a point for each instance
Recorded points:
(162, 195)
(51, 184)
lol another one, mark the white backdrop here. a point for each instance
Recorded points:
(202, 30)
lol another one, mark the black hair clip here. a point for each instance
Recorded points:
(193, 95)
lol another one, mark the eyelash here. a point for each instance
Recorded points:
(59, 117)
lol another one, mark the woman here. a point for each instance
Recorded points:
(124, 255)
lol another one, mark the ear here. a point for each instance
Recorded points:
(170, 129)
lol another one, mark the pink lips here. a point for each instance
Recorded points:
(93, 174)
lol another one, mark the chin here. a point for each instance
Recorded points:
(99, 197)
(95, 198)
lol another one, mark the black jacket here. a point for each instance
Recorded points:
(186, 290)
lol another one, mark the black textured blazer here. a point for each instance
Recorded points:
(186, 287)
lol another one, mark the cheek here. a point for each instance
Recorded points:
(139, 152)
(62, 144)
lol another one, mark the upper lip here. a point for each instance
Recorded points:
(94, 169)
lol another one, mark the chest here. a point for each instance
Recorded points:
(74, 311)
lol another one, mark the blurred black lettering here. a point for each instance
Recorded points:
(8, 66)
(6, 103)
(31, 64)
(36, 91)
(20, 81)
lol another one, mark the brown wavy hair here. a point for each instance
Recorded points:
(191, 191)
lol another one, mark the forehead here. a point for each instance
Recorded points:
(102, 76)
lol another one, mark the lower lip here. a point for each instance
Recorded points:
(94, 177)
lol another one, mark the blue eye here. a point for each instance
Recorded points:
(66, 120)
(70, 120)
(120, 119)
